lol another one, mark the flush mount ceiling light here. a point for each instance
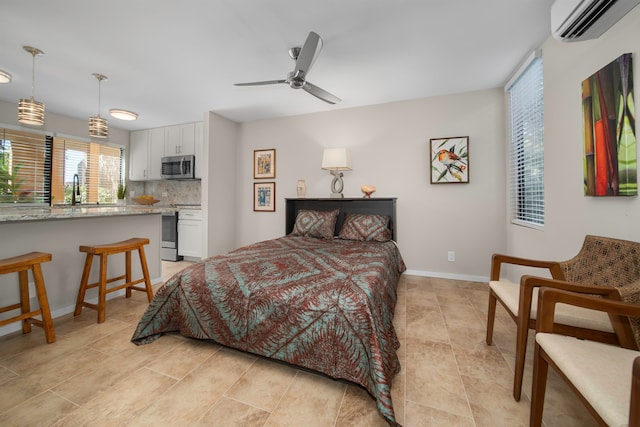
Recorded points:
(98, 127)
(5, 77)
(30, 111)
(121, 114)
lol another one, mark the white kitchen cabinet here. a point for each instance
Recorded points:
(139, 155)
(190, 233)
(146, 148)
(180, 140)
(156, 152)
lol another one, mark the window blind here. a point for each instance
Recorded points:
(99, 169)
(25, 167)
(526, 110)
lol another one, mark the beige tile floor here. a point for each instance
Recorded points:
(93, 375)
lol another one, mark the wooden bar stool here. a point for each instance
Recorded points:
(22, 264)
(103, 251)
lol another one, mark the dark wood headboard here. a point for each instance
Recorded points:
(380, 206)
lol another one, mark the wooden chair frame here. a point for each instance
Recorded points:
(523, 320)
(618, 311)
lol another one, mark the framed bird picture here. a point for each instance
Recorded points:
(449, 160)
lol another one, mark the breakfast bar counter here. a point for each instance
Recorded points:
(60, 231)
(37, 213)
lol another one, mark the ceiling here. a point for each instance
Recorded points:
(170, 61)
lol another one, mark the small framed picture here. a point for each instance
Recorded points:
(264, 163)
(449, 160)
(264, 196)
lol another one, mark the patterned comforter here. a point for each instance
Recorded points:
(323, 305)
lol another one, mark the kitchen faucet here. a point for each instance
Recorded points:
(75, 190)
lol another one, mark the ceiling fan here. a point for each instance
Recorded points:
(296, 79)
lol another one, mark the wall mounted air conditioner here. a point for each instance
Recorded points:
(576, 20)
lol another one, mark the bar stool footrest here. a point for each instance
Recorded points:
(10, 307)
(90, 305)
(24, 316)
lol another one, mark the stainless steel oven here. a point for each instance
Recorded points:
(169, 248)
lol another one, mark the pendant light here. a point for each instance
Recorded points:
(30, 111)
(97, 125)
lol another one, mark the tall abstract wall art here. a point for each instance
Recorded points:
(610, 158)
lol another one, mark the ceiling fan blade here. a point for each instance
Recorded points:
(320, 93)
(308, 54)
(266, 82)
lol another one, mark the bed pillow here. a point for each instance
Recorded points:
(366, 227)
(315, 223)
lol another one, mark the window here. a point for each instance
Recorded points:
(526, 122)
(99, 169)
(25, 167)
(40, 169)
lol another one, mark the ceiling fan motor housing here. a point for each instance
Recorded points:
(294, 52)
(295, 79)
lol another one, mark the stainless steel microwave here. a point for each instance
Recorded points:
(178, 167)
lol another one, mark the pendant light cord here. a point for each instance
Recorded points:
(100, 78)
(99, 94)
(33, 76)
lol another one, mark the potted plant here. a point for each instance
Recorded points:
(9, 183)
(121, 193)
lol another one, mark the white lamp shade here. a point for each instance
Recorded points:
(337, 159)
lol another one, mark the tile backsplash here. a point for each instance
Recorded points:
(177, 192)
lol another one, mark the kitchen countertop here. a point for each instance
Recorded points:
(179, 206)
(40, 213)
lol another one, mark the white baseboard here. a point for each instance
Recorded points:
(439, 275)
(17, 326)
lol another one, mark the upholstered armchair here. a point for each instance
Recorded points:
(604, 266)
(605, 377)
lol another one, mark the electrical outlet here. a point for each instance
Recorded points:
(451, 256)
(164, 194)
(132, 194)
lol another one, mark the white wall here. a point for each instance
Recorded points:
(389, 146)
(569, 214)
(219, 187)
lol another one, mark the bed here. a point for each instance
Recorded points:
(321, 297)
